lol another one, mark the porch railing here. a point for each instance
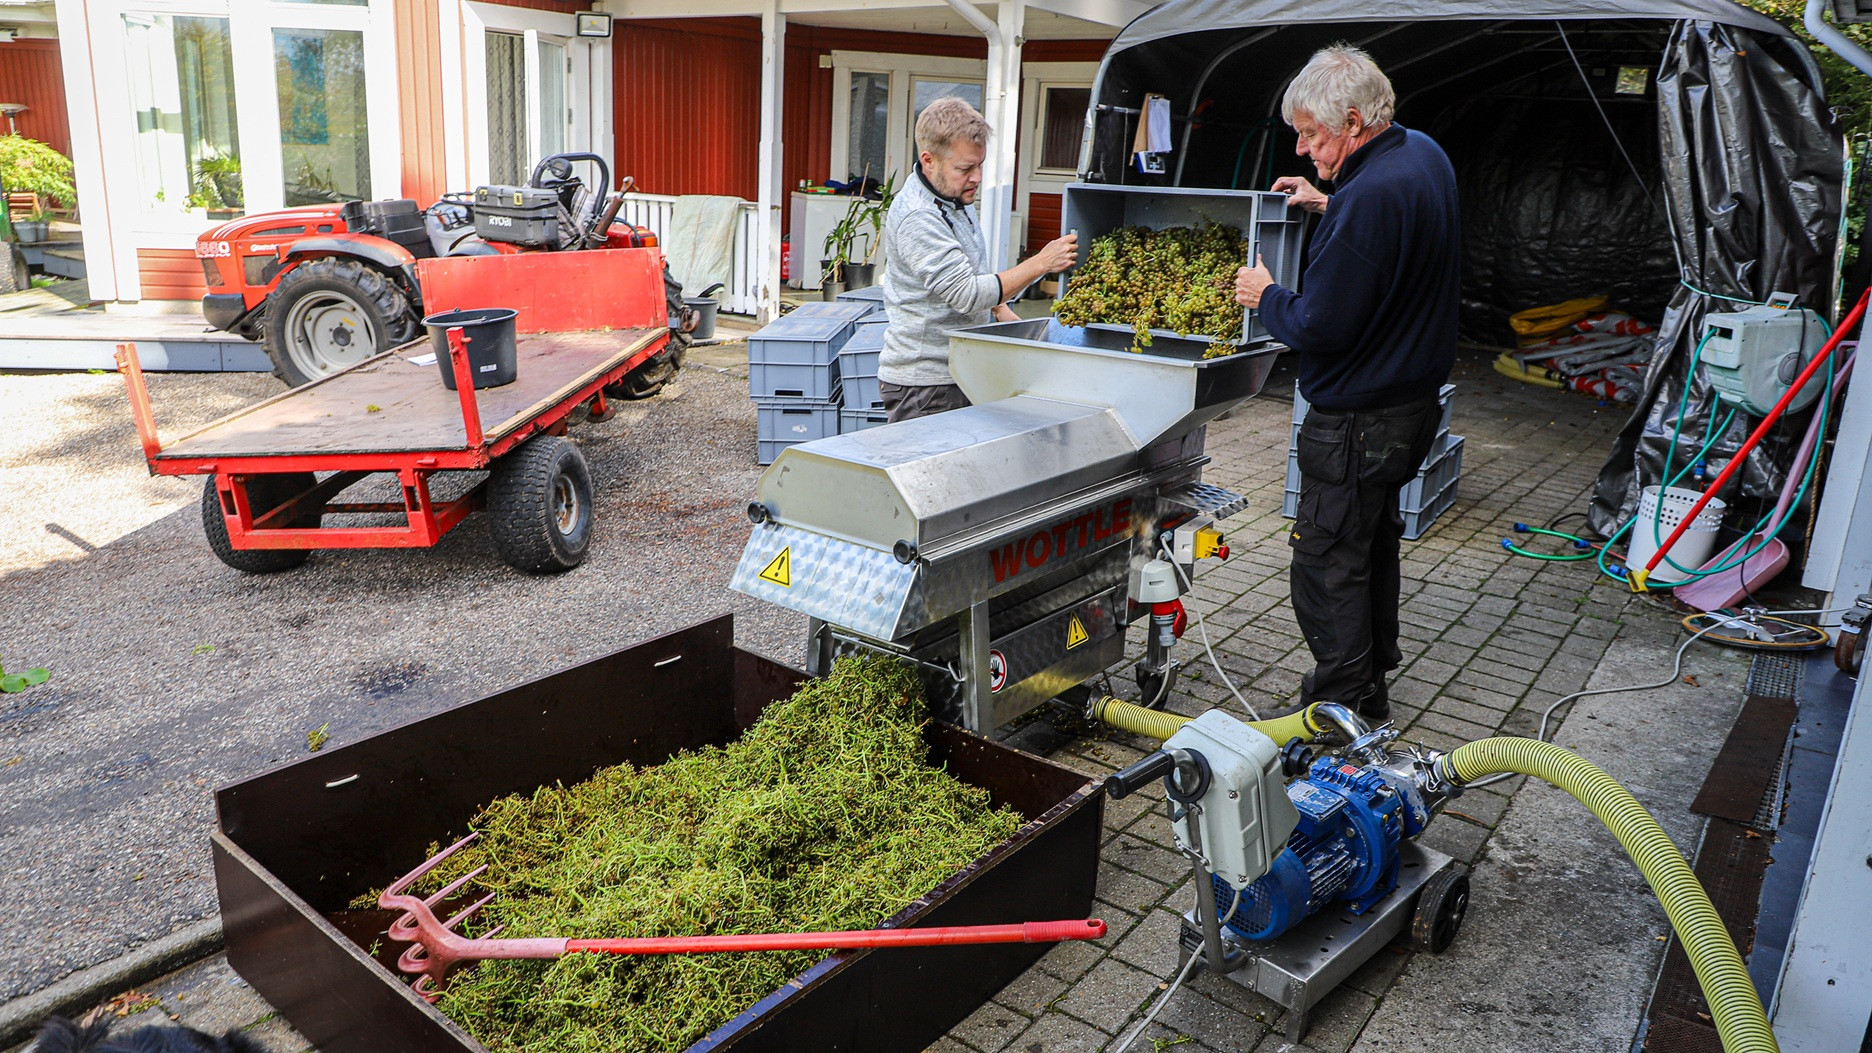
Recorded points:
(742, 294)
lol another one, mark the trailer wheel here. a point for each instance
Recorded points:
(1440, 910)
(330, 313)
(649, 378)
(539, 506)
(264, 493)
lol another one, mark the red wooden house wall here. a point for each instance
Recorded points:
(687, 101)
(30, 73)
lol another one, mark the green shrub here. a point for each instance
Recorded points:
(32, 166)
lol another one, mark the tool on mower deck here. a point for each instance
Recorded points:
(436, 947)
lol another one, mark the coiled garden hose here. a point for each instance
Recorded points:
(1734, 1004)
(1584, 547)
(1159, 725)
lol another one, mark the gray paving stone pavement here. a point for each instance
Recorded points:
(1491, 641)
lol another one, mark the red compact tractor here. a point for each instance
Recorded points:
(327, 286)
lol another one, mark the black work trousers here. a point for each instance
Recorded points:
(1345, 541)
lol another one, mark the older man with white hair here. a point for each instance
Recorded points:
(936, 275)
(1375, 332)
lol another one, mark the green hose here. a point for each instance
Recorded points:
(1734, 1004)
(1159, 725)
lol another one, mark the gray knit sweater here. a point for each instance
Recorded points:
(936, 278)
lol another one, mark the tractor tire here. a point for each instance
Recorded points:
(265, 493)
(649, 378)
(330, 313)
(539, 504)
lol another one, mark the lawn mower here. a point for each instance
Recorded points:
(327, 286)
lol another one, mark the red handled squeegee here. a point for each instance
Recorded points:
(436, 948)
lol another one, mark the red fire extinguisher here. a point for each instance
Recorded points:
(786, 257)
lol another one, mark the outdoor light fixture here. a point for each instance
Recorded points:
(12, 111)
(594, 24)
(7, 34)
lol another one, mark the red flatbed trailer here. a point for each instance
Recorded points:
(585, 321)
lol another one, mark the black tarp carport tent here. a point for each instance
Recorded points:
(1723, 172)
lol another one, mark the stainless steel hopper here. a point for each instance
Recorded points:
(992, 543)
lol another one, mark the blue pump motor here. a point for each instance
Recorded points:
(1345, 850)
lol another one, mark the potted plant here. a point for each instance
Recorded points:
(30, 166)
(34, 228)
(838, 252)
(864, 219)
(870, 216)
(217, 187)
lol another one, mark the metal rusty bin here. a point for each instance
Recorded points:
(295, 845)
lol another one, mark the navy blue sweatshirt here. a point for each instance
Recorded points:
(1376, 326)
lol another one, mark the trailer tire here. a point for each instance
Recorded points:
(330, 313)
(539, 504)
(265, 493)
(649, 378)
(1441, 906)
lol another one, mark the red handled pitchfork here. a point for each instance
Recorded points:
(436, 948)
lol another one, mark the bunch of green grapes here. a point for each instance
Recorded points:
(1181, 279)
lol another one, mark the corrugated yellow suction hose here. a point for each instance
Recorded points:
(1160, 725)
(1734, 1004)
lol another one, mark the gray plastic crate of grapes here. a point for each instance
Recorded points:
(1273, 229)
(789, 422)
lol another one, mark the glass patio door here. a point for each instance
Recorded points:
(324, 115)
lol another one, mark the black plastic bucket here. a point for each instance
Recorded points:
(489, 332)
(705, 308)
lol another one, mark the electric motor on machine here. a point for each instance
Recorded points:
(517, 215)
(1344, 850)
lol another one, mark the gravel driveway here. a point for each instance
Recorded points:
(172, 674)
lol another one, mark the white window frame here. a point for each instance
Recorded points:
(588, 81)
(1036, 77)
(250, 32)
(902, 69)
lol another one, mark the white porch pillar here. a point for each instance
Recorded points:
(771, 195)
(1004, 110)
(111, 264)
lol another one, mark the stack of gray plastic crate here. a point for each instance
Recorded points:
(858, 375)
(858, 362)
(793, 373)
(1424, 498)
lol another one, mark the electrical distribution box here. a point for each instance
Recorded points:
(518, 215)
(1752, 357)
(1246, 815)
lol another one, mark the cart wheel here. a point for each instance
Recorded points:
(540, 506)
(1440, 909)
(264, 493)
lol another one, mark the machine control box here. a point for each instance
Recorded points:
(1751, 357)
(1246, 815)
(518, 215)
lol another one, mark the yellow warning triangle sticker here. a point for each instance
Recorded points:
(1076, 633)
(780, 569)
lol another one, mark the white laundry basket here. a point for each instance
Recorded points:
(1653, 528)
